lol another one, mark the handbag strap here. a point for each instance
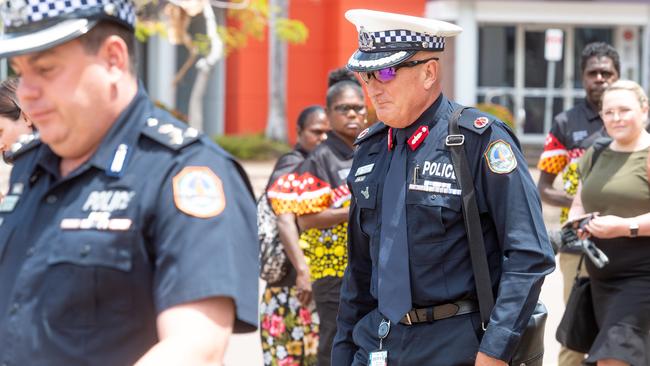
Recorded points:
(582, 257)
(455, 141)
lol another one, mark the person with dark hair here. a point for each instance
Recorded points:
(572, 132)
(615, 188)
(13, 122)
(289, 323)
(323, 204)
(341, 74)
(409, 293)
(141, 246)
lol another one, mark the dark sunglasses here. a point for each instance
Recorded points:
(346, 108)
(389, 73)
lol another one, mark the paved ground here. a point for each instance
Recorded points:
(245, 350)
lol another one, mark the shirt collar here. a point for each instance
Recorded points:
(125, 130)
(339, 146)
(591, 114)
(428, 118)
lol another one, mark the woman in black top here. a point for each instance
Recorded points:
(289, 331)
(324, 202)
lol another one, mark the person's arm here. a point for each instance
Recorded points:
(289, 237)
(324, 219)
(511, 199)
(576, 206)
(194, 333)
(355, 301)
(610, 226)
(550, 195)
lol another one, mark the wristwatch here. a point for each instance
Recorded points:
(634, 229)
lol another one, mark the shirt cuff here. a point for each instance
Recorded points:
(499, 342)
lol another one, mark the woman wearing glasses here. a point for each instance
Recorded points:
(615, 185)
(13, 122)
(324, 202)
(289, 332)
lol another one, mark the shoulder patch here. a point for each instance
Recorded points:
(198, 192)
(500, 158)
(24, 144)
(474, 120)
(369, 132)
(172, 135)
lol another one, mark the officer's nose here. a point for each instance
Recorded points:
(26, 91)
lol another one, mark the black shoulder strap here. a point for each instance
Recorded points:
(599, 146)
(455, 141)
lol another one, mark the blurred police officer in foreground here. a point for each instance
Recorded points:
(125, 237)
(409, 266)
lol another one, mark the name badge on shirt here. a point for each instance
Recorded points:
(364, 169)
(9, 203)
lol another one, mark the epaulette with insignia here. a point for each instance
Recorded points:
(173, 135)
(370, 131)
(24, 144)
(475, 120)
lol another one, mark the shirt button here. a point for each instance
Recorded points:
(51, 199)
(85, 251)
(433, 197)
(30, 251)
(14, 308)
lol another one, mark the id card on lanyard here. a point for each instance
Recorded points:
(380, 356)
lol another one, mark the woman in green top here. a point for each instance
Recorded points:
(616, 187)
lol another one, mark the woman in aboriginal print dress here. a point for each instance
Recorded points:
(324, 202)
(289, 323)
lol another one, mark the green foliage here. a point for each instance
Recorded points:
(292, 31)
(250, 22)
(252, 146)
(499, 111)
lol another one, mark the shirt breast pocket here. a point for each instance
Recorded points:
(89, 281)
(429, 215)
(365, 196)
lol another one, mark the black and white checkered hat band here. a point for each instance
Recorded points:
(18, 13)
(399, 39)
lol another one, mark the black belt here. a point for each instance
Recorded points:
(439, 312)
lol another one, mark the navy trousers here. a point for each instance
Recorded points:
(449, 342)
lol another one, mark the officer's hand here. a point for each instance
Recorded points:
(484, 360)
(303, 288)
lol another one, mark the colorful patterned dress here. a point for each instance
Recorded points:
(322, 186)
(289, 331)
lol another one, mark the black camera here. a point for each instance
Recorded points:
(570, 239)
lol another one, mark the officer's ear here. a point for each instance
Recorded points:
(115, 54)
(431, 73)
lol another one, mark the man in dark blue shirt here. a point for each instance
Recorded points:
(126, 237)
(408, 295)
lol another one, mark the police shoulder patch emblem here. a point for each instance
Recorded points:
(198, 192)
(500, 158)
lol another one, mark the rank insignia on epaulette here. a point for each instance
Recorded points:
(363, 133)
(481, 122)
(198, 192)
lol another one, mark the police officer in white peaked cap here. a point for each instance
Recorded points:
(116, 236)
(409, 295)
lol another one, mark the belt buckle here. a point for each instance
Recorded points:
(408, 318)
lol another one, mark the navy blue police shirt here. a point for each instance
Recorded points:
(517, 246)
(158, 216)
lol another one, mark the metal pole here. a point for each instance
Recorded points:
(548, 108)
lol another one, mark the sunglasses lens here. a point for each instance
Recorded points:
(386, 74)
